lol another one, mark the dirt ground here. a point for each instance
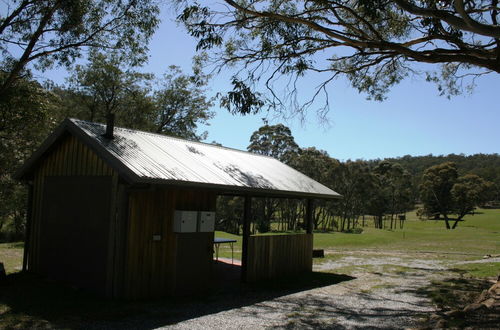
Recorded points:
(385, 291)
(348, 290)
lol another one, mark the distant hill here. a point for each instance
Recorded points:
(485, 165)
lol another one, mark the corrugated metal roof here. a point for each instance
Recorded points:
(158, 158)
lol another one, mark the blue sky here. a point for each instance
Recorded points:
(413, 120)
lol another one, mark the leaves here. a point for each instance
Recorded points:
(374, 44)
(56, 32)
(241, 99)
(443, 192)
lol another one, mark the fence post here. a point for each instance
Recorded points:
(309, 216)
(246, 233)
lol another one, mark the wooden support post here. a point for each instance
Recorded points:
(247, 210)
(27, 234)
(309, 216)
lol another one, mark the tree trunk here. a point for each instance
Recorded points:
(446, 221)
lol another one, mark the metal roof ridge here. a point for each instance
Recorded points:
(75, 120)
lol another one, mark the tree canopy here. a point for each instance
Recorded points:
(273, 140)
(375, 44)
(105, 86)
(57, 31)
(175, 104)
(444, 193)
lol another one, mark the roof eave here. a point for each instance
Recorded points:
(240, 190)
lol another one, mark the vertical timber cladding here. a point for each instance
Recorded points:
(66, 166)
(276, 256)
(158, 261)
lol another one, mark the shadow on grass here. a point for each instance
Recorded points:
(27, 301)
(452, 295)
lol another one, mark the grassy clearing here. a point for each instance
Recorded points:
(479, 270)
(477, 235)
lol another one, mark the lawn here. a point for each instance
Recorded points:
(478, 235)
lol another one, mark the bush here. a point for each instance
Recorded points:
(356, 230)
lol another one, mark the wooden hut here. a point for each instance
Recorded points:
(126, 213)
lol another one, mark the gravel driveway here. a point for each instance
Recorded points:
(383, 294)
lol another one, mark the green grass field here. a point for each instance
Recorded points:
(478, 235)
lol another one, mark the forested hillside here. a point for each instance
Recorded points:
(486, 166)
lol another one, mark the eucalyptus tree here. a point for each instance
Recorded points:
(435, 190)
(106, 85)
(181, 103)
(27, 117)
(468, 192)
(56, 32)
(375, 44)
(395, 183)
(275, 141)
(175, 104)
(355, 182)
(444, 193)
(318, 165)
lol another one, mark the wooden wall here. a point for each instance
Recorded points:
(161, 267)
(68, 158)
(138, 266)
(275, 256)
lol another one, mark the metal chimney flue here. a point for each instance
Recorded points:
(110, 126)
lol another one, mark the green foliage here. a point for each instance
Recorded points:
(392, 194)
(355, 182)
(176, 106)
(374, 44)
(485, 166)
(181, 103)
(26, 117)
(57, 32)
(383, 189)
(229, 214)
(241, 100)
(435, 190)
(275, 141)
(354, 230)
(104, 86)
(444, 193)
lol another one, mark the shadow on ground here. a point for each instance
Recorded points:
(27, 301)
(452, 295)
